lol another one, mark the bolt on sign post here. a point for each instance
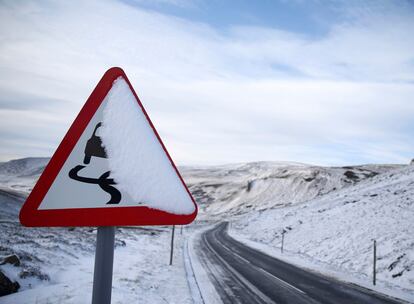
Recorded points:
(88, 181)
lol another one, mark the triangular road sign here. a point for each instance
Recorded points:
(110, 169)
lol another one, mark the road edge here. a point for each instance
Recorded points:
(191, 280)
(201, 288)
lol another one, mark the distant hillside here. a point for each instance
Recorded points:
(21, 174)
(240, 188)
(23, 167)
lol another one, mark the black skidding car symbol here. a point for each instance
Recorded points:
(94, 146)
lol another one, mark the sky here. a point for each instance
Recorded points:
(321, 82)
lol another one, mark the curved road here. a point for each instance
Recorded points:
(241, 274)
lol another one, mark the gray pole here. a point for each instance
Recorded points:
(283, 239)
(104, 261)
(374, 277)
(181, 231)
(172, 244)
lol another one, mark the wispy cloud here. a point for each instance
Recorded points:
(239, 94)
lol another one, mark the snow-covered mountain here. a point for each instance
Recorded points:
(31, 166)
(21, 174)
(222, 191)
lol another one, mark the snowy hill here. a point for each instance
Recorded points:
(330, 215)
(30, 166)
(335, 231)
(237, 189)
(21, 174)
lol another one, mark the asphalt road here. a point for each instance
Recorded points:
(241, 274)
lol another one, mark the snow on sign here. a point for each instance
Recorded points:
(110, 169)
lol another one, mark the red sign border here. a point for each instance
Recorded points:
(30, 216)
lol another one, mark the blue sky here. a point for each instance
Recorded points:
(313, 18)
(308, 17)
(322, 82)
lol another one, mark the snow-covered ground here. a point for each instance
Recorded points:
(57, 263)
(141, 272)
(330, 216)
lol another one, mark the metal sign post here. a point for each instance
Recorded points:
(104, 261)
(172, 245)
(283, 240)
(374, 274)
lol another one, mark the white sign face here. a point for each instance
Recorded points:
(119, 162)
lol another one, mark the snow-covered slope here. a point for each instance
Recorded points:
(21, 174)
(330, 215)
(337, 229)
(228, 190)
(56, 264)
